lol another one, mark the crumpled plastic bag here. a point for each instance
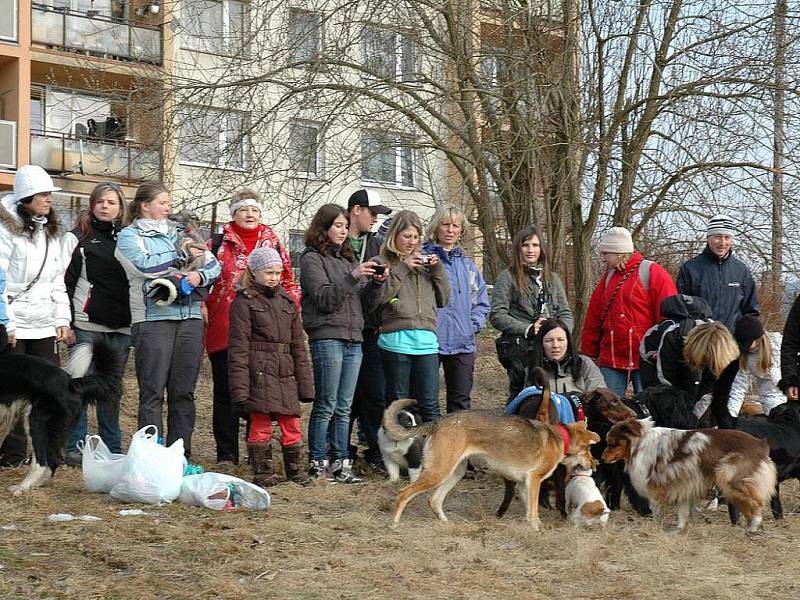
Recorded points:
(152, 472)
(218, 491)
(101, 467)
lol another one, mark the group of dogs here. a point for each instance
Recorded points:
(652, 448)
(647, 447)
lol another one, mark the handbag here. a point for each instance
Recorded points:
(512, 348)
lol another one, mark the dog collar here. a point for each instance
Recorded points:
(564, 435)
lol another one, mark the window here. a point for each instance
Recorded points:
(214, 26)
(305, 36)
(297, 243)
(388, 54)
(305, 148)
(387, 158)
(213, 138)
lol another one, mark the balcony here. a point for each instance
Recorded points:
(122, 159)
(95, 35)
(8, 144)
(8, 27)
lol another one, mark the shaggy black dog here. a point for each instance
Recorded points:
(781, 429)
(53, 401)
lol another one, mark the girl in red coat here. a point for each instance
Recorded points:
(239, 238)
(624, 305)
(268, 366)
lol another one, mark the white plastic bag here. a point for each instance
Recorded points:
(218, 491)
(101, 467)
(152, 472)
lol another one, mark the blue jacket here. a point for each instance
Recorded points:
(146, 250)
(464, 315)
(725, 283)
(3, 313)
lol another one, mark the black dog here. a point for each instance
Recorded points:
(51, 402)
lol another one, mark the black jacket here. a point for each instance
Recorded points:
(372, 317)
(790, 349)
(96, 282)
(725, 283)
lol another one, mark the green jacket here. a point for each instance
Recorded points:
(514, 310)
(409, 299)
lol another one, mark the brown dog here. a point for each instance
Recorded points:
(676, 466)
(518, 449)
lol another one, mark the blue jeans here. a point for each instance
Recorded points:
(336, 364)
(413, 376)
(107, 412)
(617, 380)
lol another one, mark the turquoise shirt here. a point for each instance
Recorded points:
(410, 341)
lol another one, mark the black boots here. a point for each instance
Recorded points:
(291, 463)
(261, 461)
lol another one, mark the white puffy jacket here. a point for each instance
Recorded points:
(36, 313)
(767, 392)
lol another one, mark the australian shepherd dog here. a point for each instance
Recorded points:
(673, 466)
(51, 402)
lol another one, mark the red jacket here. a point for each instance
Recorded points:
(614, 342)
(232, 255)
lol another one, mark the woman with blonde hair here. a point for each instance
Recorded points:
(408, 302)
(465, 314)
(759, 362)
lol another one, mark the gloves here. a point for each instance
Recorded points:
(530, 332)
(165, 290)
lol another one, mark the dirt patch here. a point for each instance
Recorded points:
(335, 541)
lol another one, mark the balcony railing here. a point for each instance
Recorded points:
(123, 159)
(96, 35)
(8, 26)
(8, 144)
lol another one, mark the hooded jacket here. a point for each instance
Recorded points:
(33, 314)
(559, 375)
(465, 313)
(96, 282)
(232, 256)
(513, 310)
(268, 367)
(725, 283)
(612, 334)
(146, 250)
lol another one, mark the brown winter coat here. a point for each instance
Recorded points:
(268, 365)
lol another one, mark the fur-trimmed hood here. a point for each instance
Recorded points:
(12, 221)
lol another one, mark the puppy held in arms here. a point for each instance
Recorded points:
(518, 449)
(585, 503)
(398, 450)
(675, 466)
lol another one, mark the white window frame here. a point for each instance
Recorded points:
(222, 141)
(320, 30)
(219, 46)
(402, 144)
(14, 37)
(319, 158)
(402, 42)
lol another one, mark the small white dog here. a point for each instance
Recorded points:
(584, 502)
(400, 453)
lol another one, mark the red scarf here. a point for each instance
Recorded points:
(249, 237)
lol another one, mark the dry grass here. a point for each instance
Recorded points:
(335, 541)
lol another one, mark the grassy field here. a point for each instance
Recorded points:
(335, 541)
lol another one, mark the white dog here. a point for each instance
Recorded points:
(584, 501)
(400, 453)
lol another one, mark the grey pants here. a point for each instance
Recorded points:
(168, 356)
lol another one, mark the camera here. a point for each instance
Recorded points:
(426, 260)
(378, 269)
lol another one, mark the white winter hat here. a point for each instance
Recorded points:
(617, 240)
(720, 225)
(31, 180)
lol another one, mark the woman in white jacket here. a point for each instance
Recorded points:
(759, 362)
(30, 255)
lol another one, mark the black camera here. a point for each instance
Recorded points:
(379, 269)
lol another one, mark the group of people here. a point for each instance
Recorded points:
(380, 316)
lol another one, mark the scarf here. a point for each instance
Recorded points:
(249, 237)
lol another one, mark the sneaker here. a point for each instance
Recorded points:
(343, 471)
(73, 458)
(319, 470)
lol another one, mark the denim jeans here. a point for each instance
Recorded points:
(413, 376)
(336, 364)
(617, 380)
(107, 412)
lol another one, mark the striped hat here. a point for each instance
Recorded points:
(720, 225)
(264, 257)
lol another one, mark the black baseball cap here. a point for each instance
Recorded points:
(368, 199)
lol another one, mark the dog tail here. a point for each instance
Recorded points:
(396, 432)
(540, 379)
(105, 383)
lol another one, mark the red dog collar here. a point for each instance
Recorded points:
(565, 436)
